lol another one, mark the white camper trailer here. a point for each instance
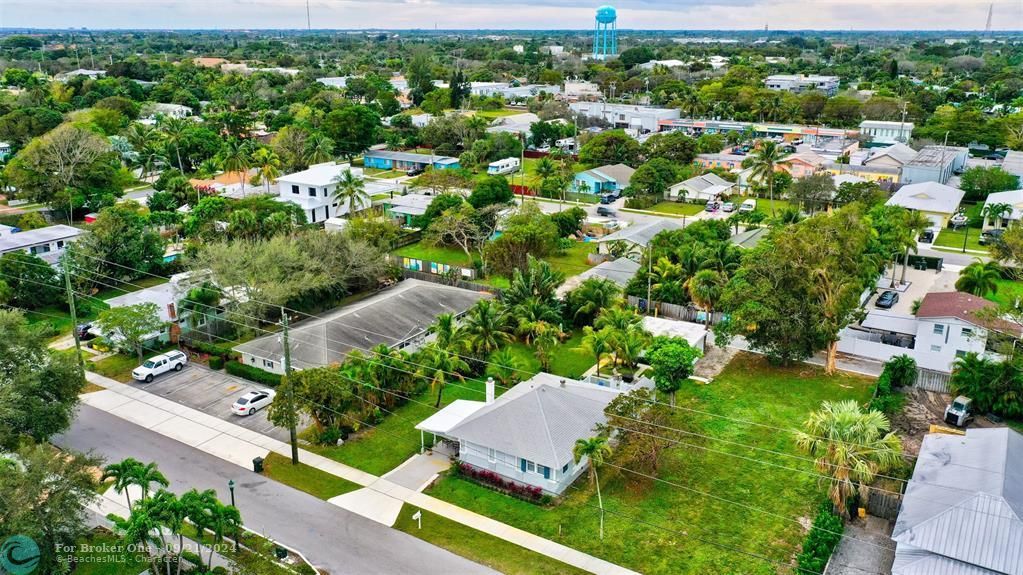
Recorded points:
(502, 167)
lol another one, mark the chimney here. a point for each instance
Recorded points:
(490, 390)
(172, 312)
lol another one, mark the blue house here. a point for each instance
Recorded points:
(604, 179)
(390, 160)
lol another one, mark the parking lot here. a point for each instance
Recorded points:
(212, 392)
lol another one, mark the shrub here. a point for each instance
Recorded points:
(209, 348)
(493, 480)
(252, 374)
(642, 202)
(901, 370)
(216, 362)
(821, 541)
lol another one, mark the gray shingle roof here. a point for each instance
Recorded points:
(538, 419)
(393, 316)
(962, 510)
(37, 236)
(641, 234)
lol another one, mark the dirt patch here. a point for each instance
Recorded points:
(714, 361)
(923, 408)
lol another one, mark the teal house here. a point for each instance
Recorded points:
(603, 180)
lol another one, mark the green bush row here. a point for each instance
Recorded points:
(642, 202)
(210, 348)
(216, 362)
(252, 373)
(821, 541)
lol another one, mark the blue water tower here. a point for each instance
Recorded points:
(605, 33)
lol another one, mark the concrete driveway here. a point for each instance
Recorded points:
(212, 392)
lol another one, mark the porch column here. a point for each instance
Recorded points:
(422, 441)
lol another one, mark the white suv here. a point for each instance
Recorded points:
(154, 366)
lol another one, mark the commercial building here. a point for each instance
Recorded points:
(726, 161)
(886, 132)
(390, 160)
(961, 511)
(581, 89)
(934, 164)
(313, 190)
(803, 164)
(48, 243)
(640, 118)
(816, 136)
(526, 435)
(397, 317)
(881, 174)
(798, 83)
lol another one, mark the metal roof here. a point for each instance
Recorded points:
(962, 508)
(1013, 163)
(641, 234)
(538, 419)
(409, 157)
(936, 156)
(29, 238)
(927, 197)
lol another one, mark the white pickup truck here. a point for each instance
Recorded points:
(154, 366)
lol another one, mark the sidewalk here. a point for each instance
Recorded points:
(378, 500)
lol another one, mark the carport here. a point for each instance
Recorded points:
(440, 423)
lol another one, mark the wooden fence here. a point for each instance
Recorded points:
(675, 311)
(884, 504)
(930, 380)
(450, 281)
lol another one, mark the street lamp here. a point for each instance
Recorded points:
(230, 486)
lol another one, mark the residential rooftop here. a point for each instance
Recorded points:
(29, 238)
(936, 156)
(319, 175)
(409, 157)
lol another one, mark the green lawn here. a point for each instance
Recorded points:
(117, 367)
(100, 562)
(59, 319)
(305, 478)
(677, 208)
(949, 238)
(480, 547)
(567, 360)
(491, 114)
(764, 205)
(439, 254)
(380, 449)
(572, 262)
(1009, 291)
(656, 528)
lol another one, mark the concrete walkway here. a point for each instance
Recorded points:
(381, 500)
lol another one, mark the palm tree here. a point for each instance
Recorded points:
(200, 509)
(318, 149)
(582, 187)
(532, 313)
(437, 365)
(692, 104)
(597, 450)
(168, 510)
(765, 158)
(545, 340)
(226, 521)
(447, 331)
(487, 328)
(123, 474)
(235, 158)
(593, 295)
(269, 165)
(705, 289)
(146, 475)
(506, 366)
(851, 446)
(980, 278)
(141, 528)
(175, 130)
(545, 168)
(597, 342)
(914, 223)
(351, 190)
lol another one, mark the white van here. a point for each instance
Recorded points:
(154, 366)
(748, 206)
(502, 167)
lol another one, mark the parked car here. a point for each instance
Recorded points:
(415, 171)
(887, 299)
(959, 413)
(990, 236)
(748, 206)
(927, 236)
(728, 207)
(253, 401)
(607, 199)
(159, 364)
(83, 331)
(605, 211)
(712, 206)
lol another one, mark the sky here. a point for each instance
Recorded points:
(513, 14)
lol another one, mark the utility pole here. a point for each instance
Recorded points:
(649, 275)
(308, 20)
(74, 315)
(292, 414)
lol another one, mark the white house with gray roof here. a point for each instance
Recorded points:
(637, 236)
(703, 187)
(48, 243)
(528, 433)
(961, 512)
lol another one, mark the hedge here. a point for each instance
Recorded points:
(209, 348)
(820, 543)
(216, 362)
(252, 373)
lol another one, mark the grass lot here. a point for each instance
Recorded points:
(677, 208)
(1008, 292)
(380, 449)
(748, 390)
(764, 205)
(480, 547)
(571, 262)
(384, 174)
(949, 238)
(106, 562)
(498, 113)
(117, 366)
(305, 478)
(567, 361)
(58, 318)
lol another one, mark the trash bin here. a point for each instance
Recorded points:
(257, 464)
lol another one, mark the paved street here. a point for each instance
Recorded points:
(333, 539)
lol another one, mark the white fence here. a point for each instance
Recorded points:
(867, 344)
